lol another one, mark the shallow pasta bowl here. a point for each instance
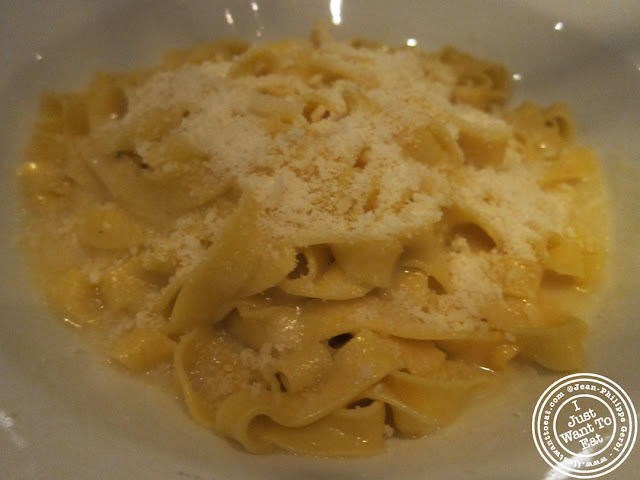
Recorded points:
(64, 413)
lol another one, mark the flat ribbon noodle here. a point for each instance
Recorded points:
(243, 262)
(346, 432)
(155, 195)
(364, 361)
(421, 404)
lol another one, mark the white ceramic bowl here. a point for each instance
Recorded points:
(65, 414)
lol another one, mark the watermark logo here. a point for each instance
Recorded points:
(584, 425)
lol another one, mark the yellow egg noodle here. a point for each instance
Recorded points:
(324, 243)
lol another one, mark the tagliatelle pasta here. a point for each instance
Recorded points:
(324, 243)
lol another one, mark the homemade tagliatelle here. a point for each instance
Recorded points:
(324, 243)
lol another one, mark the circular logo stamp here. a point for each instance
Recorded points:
(584, 425)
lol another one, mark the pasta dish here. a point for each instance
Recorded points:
(319, 244)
